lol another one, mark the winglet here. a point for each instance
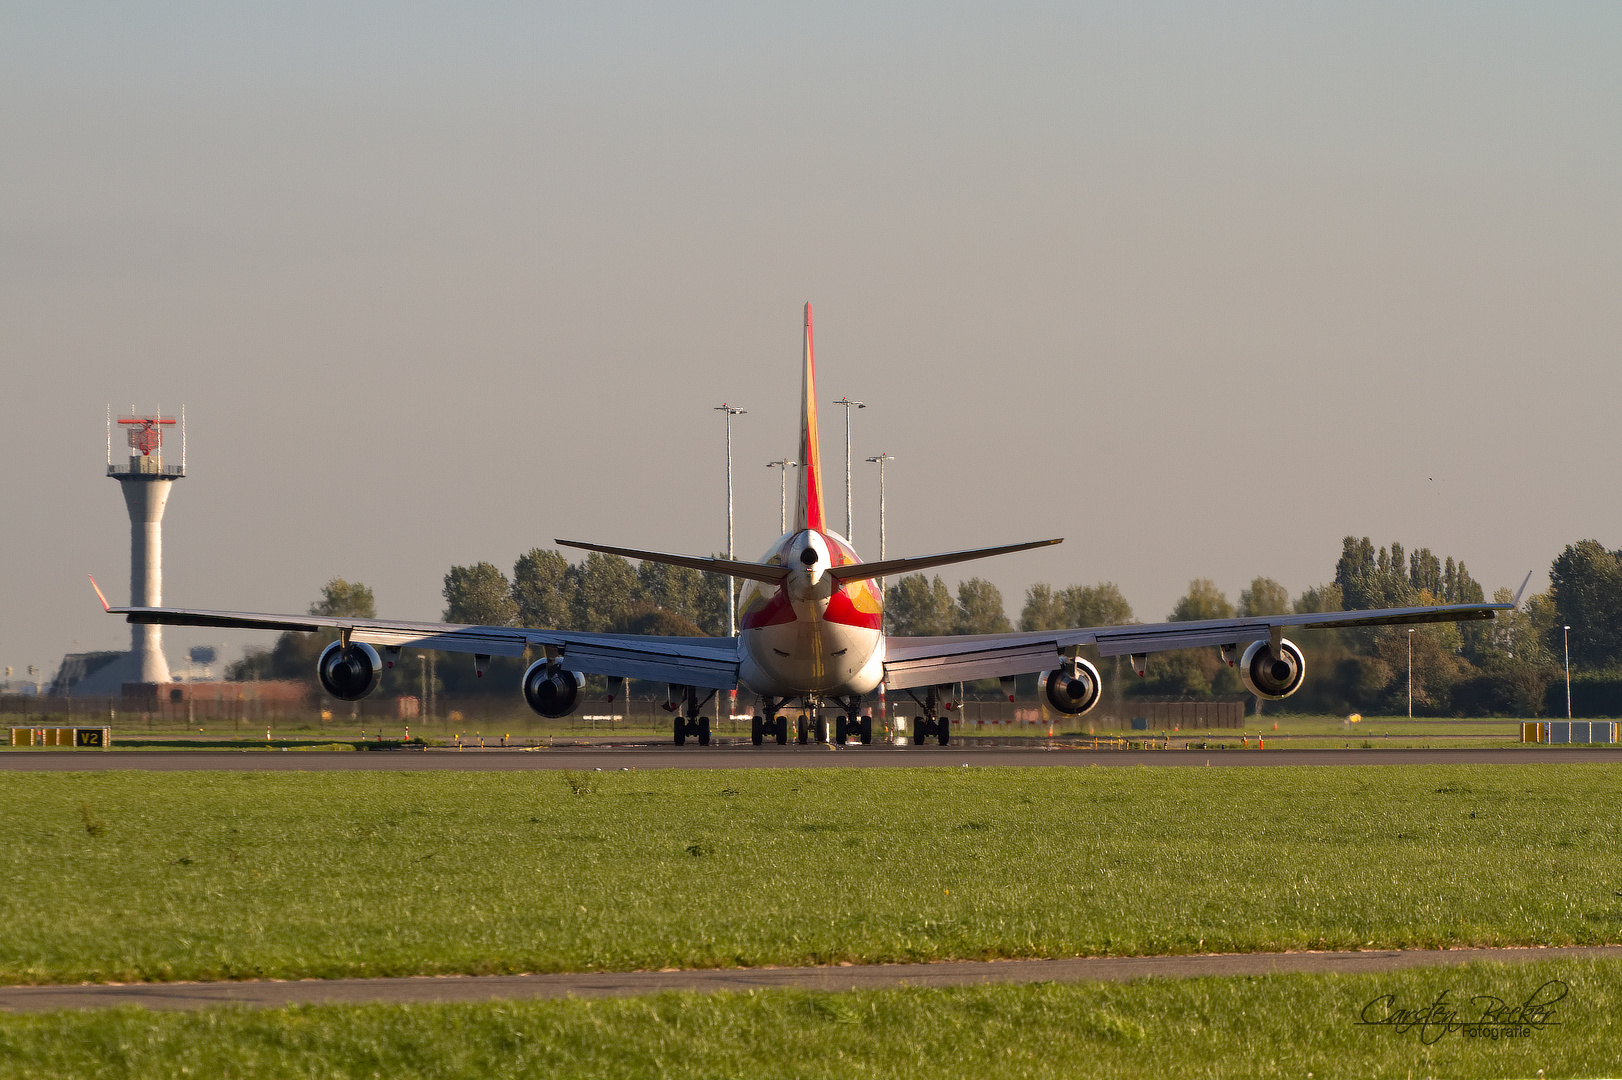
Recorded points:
(1522, 589)
(105, 606)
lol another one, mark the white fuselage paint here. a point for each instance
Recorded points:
(808, 655)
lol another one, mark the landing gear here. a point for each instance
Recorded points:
(698, 729)
(690, 724)
(849, 725)
(802, 731)
(768, 723)
(931, 723)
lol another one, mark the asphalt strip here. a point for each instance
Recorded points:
(796, 757)
(477, 988)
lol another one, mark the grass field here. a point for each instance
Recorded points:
(121, 876)
(1277, 1026)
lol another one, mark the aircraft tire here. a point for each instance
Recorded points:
(866, 728)
(918, 730)
(781, 732)
(703, 731)
(841, 729)
(757, 730)
(681, 731)
(943, 731)
(802, 731)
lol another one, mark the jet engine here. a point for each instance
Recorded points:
(349, 672)
(1072, 689)
(550, 690)
(1272, 677)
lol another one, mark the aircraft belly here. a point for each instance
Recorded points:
(812, 657)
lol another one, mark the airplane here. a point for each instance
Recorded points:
(811, 630)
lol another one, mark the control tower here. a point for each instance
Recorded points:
(146, 481)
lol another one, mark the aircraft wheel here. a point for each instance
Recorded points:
(681, 731)
(866, 728)
(819, 727)
(919, 730)
(943, 730)
(757, 730)
(841, 729)
(802, 731)
(703, 731)
(781, 731)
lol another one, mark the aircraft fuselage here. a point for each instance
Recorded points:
(811, 634)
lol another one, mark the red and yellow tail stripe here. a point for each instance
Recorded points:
(808, 512)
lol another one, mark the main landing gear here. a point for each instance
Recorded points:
(761, 729)
(690, 724)
(932, 724)
(847, 725)
(851, 725)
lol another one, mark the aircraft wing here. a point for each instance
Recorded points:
(924, 661)
(691, 661)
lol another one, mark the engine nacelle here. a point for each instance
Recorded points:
(349, 673)
(1272, 677)
(552, 691)
(1072, 691)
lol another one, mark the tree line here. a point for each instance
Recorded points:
(1478, 668)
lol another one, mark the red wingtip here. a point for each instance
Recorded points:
(105, 606)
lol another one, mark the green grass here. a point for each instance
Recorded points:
(1284, 1026)
(133, 875)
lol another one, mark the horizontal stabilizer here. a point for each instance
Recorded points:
(752, 571)
(887, 567)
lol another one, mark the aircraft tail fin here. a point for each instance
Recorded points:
(808, 508)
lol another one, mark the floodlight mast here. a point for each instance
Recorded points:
(732, 615)
(881, 459)
(848, 404)
(1566, 633)
(785, 464)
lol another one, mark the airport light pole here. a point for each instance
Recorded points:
(1410, 673)
(1566, 633)
(785, 465)
(848, 404)
(732, 629)
(881, 459)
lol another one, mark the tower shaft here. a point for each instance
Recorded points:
(145, 496)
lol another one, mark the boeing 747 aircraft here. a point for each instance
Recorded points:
(812, 631)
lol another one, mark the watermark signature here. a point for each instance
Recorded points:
(1481, 1017)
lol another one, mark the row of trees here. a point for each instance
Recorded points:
(1458, 669)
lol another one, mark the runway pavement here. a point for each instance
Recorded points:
(737, 980)
(774, 757)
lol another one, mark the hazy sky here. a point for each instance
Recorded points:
(1200, 290)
